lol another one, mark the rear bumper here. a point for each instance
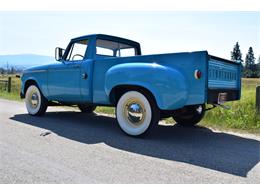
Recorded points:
(232, 95)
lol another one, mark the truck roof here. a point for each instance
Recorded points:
(108, 37)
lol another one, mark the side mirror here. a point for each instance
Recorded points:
(59, 53)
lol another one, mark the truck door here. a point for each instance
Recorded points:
(63, 82)
(64, 78)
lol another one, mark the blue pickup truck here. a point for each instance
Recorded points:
(106, 70)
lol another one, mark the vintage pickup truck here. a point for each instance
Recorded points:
(106, 70)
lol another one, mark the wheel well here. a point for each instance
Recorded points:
(28, 84)
(119, 90)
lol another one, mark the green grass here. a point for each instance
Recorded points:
(15, 88)
(241, 117)
(105, 110)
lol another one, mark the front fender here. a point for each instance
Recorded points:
(40, 81)
(167, 85)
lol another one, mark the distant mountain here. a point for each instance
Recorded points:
(22, 61)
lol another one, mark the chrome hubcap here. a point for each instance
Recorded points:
(134, 112)
(34, 100)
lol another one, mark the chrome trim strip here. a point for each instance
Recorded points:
(29, 71)
(58, 70)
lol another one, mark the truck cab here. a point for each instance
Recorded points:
(110, 71)
(77, 61)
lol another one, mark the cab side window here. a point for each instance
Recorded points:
(125, 51)
(77, 51)
(106, 48)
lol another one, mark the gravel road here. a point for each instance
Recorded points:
(71, 147)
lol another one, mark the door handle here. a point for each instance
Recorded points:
(84, 75)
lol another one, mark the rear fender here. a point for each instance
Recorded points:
(167, 85)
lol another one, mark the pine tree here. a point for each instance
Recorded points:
(250, 60)
(236, 54)
(247, 62)
(250, 66)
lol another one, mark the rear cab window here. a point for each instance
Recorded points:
(107, 48)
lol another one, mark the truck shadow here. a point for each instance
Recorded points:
(197, 146)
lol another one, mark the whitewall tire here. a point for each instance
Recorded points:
(35, 102)
(136, 113)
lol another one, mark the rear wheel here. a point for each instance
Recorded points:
(36, 103)
(136, 113)
(86, 108)
(189, 115)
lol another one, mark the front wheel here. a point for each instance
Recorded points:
(136, 113)
(189, 115)
(36, 103)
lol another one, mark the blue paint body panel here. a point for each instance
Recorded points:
(169, 77)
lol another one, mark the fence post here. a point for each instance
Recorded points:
(9, 85)
(257, 100)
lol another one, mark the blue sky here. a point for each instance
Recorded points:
(158, 32)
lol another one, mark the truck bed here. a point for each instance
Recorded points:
(218, 75)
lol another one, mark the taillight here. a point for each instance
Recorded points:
(197, 74)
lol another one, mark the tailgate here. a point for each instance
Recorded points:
(224, 77)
